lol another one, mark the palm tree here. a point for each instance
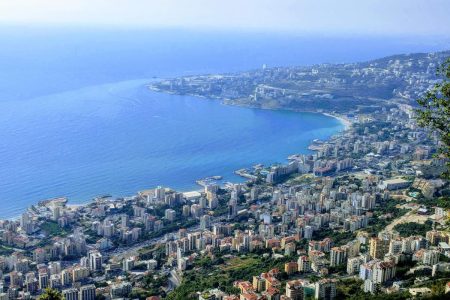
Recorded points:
(51, 294)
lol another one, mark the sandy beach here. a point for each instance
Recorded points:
(345, 121)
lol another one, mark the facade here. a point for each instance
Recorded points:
(353, 265)
(95, 261)
(290, 267)
(395, 184)
(383, 271)
(70, 294)
(378, 247)
(295, 289)
(338, 256)
(325, 289)
(87, 292)
(431, 257)
(304, 264)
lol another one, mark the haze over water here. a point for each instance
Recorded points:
(77, 120)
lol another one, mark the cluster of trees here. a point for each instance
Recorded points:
(150, 286)
(436, 201)
(213, 273)
(51, 294)
(51, 228)
(352, 289)
(412, 228)
(338, 238)
(377, 224)
(435, 111)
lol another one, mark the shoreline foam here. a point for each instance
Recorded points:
(344, 121)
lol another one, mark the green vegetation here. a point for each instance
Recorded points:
(347, 180)
(151, 286)
(301, 179)
(214, 273)
(435, 111)
(338, 238)
(373, 127)
(432, 171)
(347, 288)
(403, 268)
(443, 202)
(51, 228)
(340, 269)
(412, 228)
(390, 206)
(157, 252)
(5, 251)
(51, 294)
(351, 289)
(92, 236)
(378, 224)
(171, 227)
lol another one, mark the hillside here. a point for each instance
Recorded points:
(329, 87)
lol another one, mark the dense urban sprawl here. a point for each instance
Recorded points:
(364, 213)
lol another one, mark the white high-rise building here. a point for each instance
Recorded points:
(308, 232)
(95, 261)
(160, 194)
(205, 222)
(87, 292)
(70, 294)
(325, 289)
(232, 208)
(430, 257)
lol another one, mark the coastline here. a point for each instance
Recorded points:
(347, 123)
(81, 204)
(344, 121)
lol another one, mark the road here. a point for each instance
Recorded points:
(127, 250)
(410, 216)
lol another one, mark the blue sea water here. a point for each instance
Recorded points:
(77, 120)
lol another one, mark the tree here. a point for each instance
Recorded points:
(51, 294)
(438, 289)
(435, 111)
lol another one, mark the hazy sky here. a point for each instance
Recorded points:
(313, 16)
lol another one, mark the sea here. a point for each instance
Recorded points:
(77, 119)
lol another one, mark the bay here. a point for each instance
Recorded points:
(77, 119)
(120, 138)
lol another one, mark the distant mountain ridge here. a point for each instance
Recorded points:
(338, 88)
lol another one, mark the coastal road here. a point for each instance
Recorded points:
(130, 250)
